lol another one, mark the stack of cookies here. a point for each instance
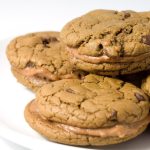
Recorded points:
(91, 79)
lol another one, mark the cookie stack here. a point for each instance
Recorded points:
(80, 99)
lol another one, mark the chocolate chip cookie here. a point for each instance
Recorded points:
(39, 58)
(109, 42)
(96, 110)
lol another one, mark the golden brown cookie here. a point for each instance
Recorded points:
(109, 42)
(39, 58)
(94, 111)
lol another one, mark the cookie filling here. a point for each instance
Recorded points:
(105, 58)
(37, 81)
(119, 130)
(39, 76)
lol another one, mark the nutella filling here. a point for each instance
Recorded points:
(119, 130)
(107, 59)
(39, 72)
(36, 81)
(39, 76)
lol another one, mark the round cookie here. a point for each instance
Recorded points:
(39, 58)
(109, 42)
(94, 111)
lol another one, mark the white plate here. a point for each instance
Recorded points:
(13, 127)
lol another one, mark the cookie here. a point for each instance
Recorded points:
(39, 58)
(96, 110)
(109, 42)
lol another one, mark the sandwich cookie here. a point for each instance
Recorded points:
(96, 110)
(39, 58)
(109, 42)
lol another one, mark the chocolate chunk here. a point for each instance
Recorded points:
(115, 12)
(50, 40)
(70, 90)
(113, 115)
(45, 41)
(139, 97)
(95, 46)
(146, 39)
(127, 15)
(100, 46)
(30, 64)
(79, 76)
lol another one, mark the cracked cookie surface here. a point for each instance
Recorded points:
(96, 110)
(39, 58)
(54, 132)
(93, 102)
(104, 38)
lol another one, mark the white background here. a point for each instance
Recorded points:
(22, 16)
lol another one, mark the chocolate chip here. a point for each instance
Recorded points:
(45, 41)
(115, 12)
(79, 76)
(127, 15)
(70, 90)
(113, 115)
(95, 46)
(146, 39)
(100, 46)
(139, 97)
(49, 40)
(30, 64)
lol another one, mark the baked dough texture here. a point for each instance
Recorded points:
(75, 112)
(39, 58)
(109, 42)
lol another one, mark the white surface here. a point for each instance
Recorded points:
(22, 16)
(13, 127)
(7, 145)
